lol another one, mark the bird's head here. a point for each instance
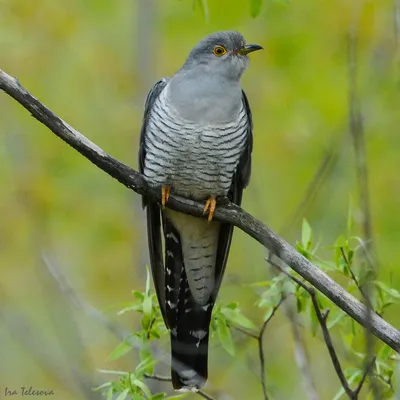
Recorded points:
(224, 53)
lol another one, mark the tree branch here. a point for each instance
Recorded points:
(225, 213)
(168, 379)
(322, 317)
(261, 347)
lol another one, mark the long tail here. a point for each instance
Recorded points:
(189, 343)
(187, 321)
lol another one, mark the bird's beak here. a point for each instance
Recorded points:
(249, 48)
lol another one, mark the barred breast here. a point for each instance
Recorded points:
(198, 160)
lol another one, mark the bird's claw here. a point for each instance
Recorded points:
(210, 207)
(165, 193)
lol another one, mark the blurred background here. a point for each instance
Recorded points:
(68, 230)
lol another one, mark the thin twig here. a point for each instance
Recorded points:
(229, 213)
(367, 371)
(161, 378)
(246, 332)
(322, 318)
(158, 378)
(261, 347)
(351, 272)
(299, 347)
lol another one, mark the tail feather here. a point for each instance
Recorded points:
(189, 362)
(189, 341)
(187, 321)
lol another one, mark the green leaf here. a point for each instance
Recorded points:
(225, 337)
(148, 280)
(235, 317)
(145, 366)
(158, 396)
(112, 372)
(306, 235)
(395, 294)
(177, 396)
(255, 7)
(147, 306)
(132, 307)
(104, 385)
(146, 356)
(123, 394)
(332, 322)
(299, 304)
(138, 295)
(143, 387)
(120, 350)
(385, 352)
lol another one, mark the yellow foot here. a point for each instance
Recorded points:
(210, 207)
(165, 193)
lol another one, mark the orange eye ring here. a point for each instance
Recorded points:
(219, 51)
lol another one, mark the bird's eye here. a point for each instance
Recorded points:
(219, 51)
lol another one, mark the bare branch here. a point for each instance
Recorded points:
(367, 371)
(261, 347)
(167, 379)
(351, 272)
(246, 332)
(224, 213)
(322, 318)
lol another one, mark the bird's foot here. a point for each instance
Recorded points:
(210, 207)
(165, 193)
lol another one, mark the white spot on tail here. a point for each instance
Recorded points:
(170, 254)
(172, 236)
(199, 334)
(171, 305)
(188, 374)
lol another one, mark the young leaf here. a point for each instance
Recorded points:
(177, 396)
(235, 317)
(120, 350)
(306, 235)
(148, 279)
(158, 396)
(143, 387)
(123, 395)
(104, 385)
(145, 365)
(225, 337)
(147, 305)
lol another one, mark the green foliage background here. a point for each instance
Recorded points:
(92, 63)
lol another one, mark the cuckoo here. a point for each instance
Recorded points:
(196, 141)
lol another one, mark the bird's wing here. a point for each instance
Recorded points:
(240, 181)
(153, 210)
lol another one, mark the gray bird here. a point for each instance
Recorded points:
(196, 140)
